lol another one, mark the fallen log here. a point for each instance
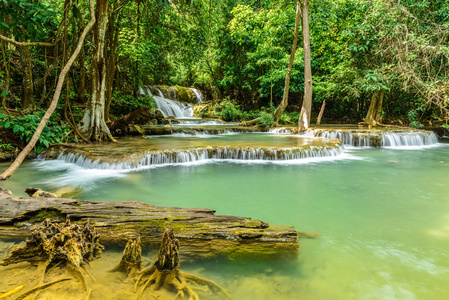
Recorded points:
(202, 233)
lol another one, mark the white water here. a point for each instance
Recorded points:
(399, 140)
(169, 157)
(199, 97)
(408, 139)
(172, 108)
(168, 107)
(347, 138)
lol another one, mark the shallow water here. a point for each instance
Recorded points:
(383, 215)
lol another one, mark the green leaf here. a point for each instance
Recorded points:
(7, 125)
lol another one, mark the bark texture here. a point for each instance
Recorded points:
(93, 126)
(306, 110)
(318, 121)
(374, 113)
(202, 233)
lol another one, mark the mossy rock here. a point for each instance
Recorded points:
(185, 94)
(205, 110)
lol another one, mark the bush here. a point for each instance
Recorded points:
(266, 119)
(122, 104)
(25, 127)
(230, 111)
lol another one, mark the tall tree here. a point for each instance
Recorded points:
(280, 109)
(93, 125)
(306, 109)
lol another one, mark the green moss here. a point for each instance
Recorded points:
(183, 94)
(43, 214)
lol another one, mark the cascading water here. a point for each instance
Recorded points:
(408, 139)
(199, 97)
(209, 153)
(347, 137)
(168, 107)
(377, 138)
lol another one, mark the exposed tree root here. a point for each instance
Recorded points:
(165, 274)
(40, 288)
(249, 123)
(59, 243)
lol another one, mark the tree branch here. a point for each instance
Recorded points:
(18, 161)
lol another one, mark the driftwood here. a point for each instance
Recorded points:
(202, 233)
(165, 273)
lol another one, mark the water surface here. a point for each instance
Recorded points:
(383, 215)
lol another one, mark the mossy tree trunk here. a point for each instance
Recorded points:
(374, 113)
(93, 126)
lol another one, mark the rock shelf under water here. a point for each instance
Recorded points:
(134, 153)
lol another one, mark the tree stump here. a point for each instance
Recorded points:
(131, 262)
(165, 273)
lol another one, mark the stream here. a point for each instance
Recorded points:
(383, 216)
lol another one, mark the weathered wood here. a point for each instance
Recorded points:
(201, 233)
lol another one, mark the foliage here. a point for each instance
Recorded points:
(123, 104)
(25, 126)
(5, 146)
(28, 20)
(266, 119)
(230, 111)
(239, 50)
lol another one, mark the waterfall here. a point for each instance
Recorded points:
(280, 130)
(173, 108)
(199, 97)
(168, 107)
(348, 138)
(408, 139)
(200, 154)
(377, 138)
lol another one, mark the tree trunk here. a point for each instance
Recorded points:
(113, 32)
(318, 121)
(306, 110)
(375, 109)
(93, 126)
(27, 81)
(280, 109)
(15, 165)
(82, 83)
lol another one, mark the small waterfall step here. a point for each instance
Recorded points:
(134, 153)
(392, 138)
(172, 156)
(381, 138)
